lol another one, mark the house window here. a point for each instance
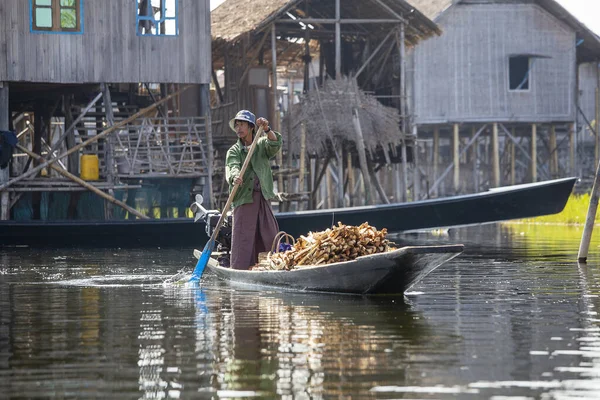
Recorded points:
(519, 71)
(157, 17)
(56, 16)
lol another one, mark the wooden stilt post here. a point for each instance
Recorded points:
(590, 219)
(553, 152)
(338, 41)
(377, 184)
(597, 126)
(512, 158)
(533, 153)
(572, 144)
(598, 119)
(302, 161)
(456, 157)
(436, 155)
(416, 174)
(474, 155)
(4, 173)
(109, 149)
(329, 192)
(400, 38)
(351, 180)
(475, 160)
(362, 155)
(593, 207)
(93, 139)
(495, 155)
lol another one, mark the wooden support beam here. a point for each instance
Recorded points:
(416, 174)
(338, 41)
(109, 161)
(474, 160)
(572, 146)
(274, 77)
(93, 139)
(71, 127)
(436, 154)
(447, 170)
(512, 159)
(83, 183)
(400, 41)
(4, 173)
(553, 153)
(362, 67)
(377, 184)
(456, 157)
(533, 157)
(495, 155)
(302, 161)
(351, 179)
(598, 123)
(362, 155)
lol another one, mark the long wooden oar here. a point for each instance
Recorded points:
(210, 245)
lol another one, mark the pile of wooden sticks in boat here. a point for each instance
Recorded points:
(337, 244)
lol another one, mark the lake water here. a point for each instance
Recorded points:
(513, 317)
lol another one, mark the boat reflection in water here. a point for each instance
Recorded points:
(296, 344)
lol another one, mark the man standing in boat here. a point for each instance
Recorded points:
(254, 224)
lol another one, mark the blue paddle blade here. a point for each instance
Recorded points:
(202, 261)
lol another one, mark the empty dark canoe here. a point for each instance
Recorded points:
(500, 204)
(385, 273)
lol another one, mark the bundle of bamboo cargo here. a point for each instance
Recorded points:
(337, 244)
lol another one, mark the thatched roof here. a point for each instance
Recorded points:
(327, 113)
(589, 50)
(431, 8)
(234, 18)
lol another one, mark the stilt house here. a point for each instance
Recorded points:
(84, 77)
(262, 46)
(508, 93)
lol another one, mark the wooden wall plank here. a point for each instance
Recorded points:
(463, 74)
(109, 49)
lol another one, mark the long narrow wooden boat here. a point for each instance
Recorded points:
(499, 204)
(392, 272)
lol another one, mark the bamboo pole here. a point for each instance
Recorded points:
(83, 183)
(584, 246)
(572, 144)
(495, 155)
(362, 155)
(74, 123)
(109, 162)
(436, 154)
(416, 174)
(351, 180)
(553, 152)
(92, 139)
(330, 203)
(512, 159)
(533, 153)
(377, 184)
(456, 158)
(338, 41)
(4, 173)
(441, 178)
(302, 161)
(474, 156)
